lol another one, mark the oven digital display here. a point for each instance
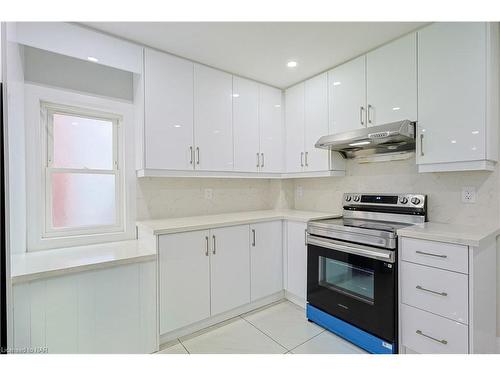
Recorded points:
(385, 199)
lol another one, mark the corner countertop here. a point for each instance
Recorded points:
(49, 263)
(185, 224)
(469, 235)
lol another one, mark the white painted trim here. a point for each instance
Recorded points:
(477, 165)
(169, 336)
(216, 174)
(295, 299)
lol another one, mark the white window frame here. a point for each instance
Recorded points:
(35, 162)
(48, 110)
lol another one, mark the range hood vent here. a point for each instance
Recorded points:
(396, 137)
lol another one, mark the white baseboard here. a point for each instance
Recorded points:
(295, 299)
(212, 321)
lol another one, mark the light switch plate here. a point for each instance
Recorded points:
(209, 194)
(299, 191)
(468, 194)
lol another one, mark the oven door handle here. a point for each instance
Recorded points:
(379, 254)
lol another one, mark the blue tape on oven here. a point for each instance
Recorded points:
(358, 337)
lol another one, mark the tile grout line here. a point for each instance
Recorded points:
(258, 329)
(180, 342)
(307, 340)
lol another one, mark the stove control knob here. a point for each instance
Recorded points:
(415, 200)
(403, 200)
(356, 198)
(348, 198)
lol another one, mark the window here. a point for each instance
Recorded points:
(83, 181)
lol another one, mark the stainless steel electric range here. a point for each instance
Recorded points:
(352, 267)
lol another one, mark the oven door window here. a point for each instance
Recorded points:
(348, 279)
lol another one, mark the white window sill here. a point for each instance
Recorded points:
(49, 263)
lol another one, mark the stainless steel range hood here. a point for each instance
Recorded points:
(396, 137)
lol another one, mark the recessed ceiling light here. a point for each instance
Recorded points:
(277, 105)
(92, 58)
(475, 132)
(236, 95)
(396, 108)
(336, 83)
(177, 126)
(291, 64)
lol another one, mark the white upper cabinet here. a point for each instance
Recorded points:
(294, 117)
(457, 96)
(246, 125)
(347, 87)
(168, 130)
(391, 73)
(271, 129)
(213, 91)
(316, 122)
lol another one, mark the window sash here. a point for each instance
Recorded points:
(48, 111)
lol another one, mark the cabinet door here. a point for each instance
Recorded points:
(347, 87)
(316, 122)
(245, 124)
(213, 127)
(184, 279)
(294, 124)
(168, 86)
(266, 259)
(229, 268)
(297, 259)
(391, 74)
(451, 92)
(271, 129)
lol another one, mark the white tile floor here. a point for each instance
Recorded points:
(279, 328)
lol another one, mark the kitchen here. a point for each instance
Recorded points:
(350, 209)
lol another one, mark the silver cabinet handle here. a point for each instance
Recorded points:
(369, 111)
(262, 165)
(444, 294)
(213, 244)
(432, 255)
(191, 154)
(197, 155)
(258, 160)
(307, 153)
(253, 237)
(419, 332)
(206, 245)
(361, 110)
(421, 144)
(301, 159)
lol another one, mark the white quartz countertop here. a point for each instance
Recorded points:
(469, 235)
(48, 263)
(184, 224)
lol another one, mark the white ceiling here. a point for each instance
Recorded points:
(260, 50)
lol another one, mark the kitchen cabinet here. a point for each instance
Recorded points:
(110, 310)
(213, 126)
(347, 99)
(271, 129)
(266, 259)
(391, 76)
(184, 264)
(168, 111)
(307, 121)
(457, 96)
(316, 122)
(296, 260)
(246, 125)
(229, 268)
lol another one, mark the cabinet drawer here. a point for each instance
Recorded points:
(427, 333)
(441, 292)
(436, 254)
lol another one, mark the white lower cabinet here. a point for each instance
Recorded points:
(266, 259)
(229, 268)
(184, 279)
(210, 272)
(297, 260)
(110, 310)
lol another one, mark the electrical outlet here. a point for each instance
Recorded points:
(299, 191)
(469, 194)
(209, 194)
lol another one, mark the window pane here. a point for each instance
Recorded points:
(80, 199)
(81, 142)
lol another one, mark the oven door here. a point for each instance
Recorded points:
(354, 283)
